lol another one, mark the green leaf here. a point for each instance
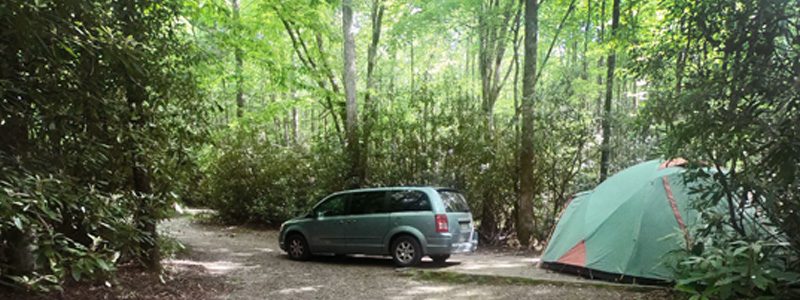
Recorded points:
(76, 273)
(739, 251)
(17, 222)
(685, 288)
(790, 277)
(68, 49)
(762, 282)
(693, 279)
(103, 264)
(727, 280)
(50, 278)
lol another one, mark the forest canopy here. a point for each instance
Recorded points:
(113, 110)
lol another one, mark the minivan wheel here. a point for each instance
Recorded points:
(297, 247)
(440, 259)
(406, 251)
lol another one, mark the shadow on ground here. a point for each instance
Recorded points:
(372, 260)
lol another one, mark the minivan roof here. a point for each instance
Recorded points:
(390, 188)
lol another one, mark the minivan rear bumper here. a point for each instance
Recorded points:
(464, 247)
(447, 244)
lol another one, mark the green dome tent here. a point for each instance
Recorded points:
(618, 231)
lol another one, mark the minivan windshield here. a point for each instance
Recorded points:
(453, 201)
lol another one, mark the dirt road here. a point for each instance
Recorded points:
(255, 268)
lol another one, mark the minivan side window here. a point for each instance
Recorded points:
(408, 200)
(335, 206)
(453, 201)
(367, 203)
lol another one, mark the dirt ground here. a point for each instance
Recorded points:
(254, 267)
(133, 283)
(241, 263)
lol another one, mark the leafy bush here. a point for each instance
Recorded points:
(723, 263)
(738, 112)
(251, 181)
(734, 270)
(53, 228)
(95, 120)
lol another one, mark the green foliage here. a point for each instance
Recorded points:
(91, 92)
(78, 231)
(426, 125)
(563, 156)
(734, 269)
(249, 180)
(726, 89)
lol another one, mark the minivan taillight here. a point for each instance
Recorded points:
(441, 223)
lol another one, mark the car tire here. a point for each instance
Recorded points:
(297, 247)
(406, 251)
(440, 259)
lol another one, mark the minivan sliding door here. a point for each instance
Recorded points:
(367, 223)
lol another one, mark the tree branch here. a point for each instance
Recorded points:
(555, 36)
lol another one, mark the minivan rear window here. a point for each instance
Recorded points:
(453, 201)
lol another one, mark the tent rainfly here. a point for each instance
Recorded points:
(622, 229)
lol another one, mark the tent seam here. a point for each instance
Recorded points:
(676, 212)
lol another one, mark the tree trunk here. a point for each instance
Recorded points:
(525, 214)
(586, 38)
(295, 126)
(605, 148)
(237, 53)
(136, 94)
(353, 147)
(18, 251)
(600, 63)
(372, 53)
(492, 47)
(146, 214)
(305, 57)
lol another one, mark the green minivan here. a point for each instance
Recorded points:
(406, 223)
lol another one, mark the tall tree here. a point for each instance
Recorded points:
(525, 216)
(315, 62)
(605, 148)
(494, 25)
(496, 20)
(353, 147)
(237, 54)
(136, 94)
(372, 53)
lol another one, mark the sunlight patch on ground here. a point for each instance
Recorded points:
(422, 290)
(195, 211)
(304, 289)
(470, 293)
(220, 250)
(212, 267)
(478, 266)
(506, 264)
(428, 292)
